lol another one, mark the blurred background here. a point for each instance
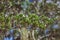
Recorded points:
(29, 19)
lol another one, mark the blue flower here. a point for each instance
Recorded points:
(6, 38)
(11, 38)
(31, 0)
(55, 26)
(46, 31)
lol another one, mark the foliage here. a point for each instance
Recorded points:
(27, 13)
